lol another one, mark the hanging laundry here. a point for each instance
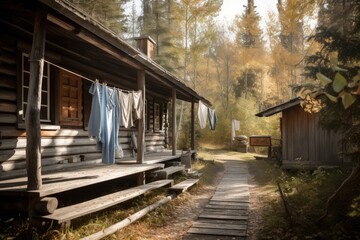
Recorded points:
(109, 111)
(235, 126)
(104, 122)
(202, 114)
(94, 129)
(212, 118)
(138, 104)
(126, 103)
(119, 153)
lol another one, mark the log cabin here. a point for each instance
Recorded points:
(50, 152)
(305, 143)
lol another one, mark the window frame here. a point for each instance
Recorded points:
(22, 102)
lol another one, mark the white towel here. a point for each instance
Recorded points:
(138, 104)
(202, 114)
(126, 107)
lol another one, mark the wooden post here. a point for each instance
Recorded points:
(32, 117)
(193, 126)
(173, 121)
(141, 126)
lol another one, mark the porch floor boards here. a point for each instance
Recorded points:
(61, 180)
(69, 179)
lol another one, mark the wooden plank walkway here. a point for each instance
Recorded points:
(226, 215)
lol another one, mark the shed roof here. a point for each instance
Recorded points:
(279, 108)
(65, 8)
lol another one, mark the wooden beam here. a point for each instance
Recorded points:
(193, 147)
(60, 23)
(32, 120)
(173, 121)
(92, 40)
(141, 126)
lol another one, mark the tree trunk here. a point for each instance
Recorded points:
(32, 117)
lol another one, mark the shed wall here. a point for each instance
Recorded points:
(305, 142)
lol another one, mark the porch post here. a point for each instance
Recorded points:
(193, 126)
(141, 122)
(173, 121)
(32, 117)
(141, 127)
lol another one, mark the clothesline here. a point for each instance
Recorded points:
(85, 78)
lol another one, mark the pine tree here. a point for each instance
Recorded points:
(338, 35)
(111, 13)
(250, 44)
(159, 20)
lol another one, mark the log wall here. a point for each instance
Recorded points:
(60, 146)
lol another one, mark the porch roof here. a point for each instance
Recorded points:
(81, 25)
(279, 108)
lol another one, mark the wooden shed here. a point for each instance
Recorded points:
(76, 51)
(305, 144)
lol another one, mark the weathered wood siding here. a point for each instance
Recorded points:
(305, 141)
(8, 86)
(58, 146)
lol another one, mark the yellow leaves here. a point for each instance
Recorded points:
(311, 104)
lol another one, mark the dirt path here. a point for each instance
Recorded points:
(188, 206)
(189, 211)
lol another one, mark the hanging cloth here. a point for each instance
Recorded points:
(104, 122)
(235, 126)
(94, 129)
(212, 118)
(119, 153)
(126, 103)
(138, 104)
(109, 125)
(202, 114)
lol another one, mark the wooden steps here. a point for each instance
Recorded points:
(183, 186)
(66, 214)
(164, 173)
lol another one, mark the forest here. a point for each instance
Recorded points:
(239, 66)
(307, 49)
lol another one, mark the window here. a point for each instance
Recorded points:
(157, 117)
(70, 102)
(45, 89)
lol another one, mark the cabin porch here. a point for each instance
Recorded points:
(96, 186)
(81, 175)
